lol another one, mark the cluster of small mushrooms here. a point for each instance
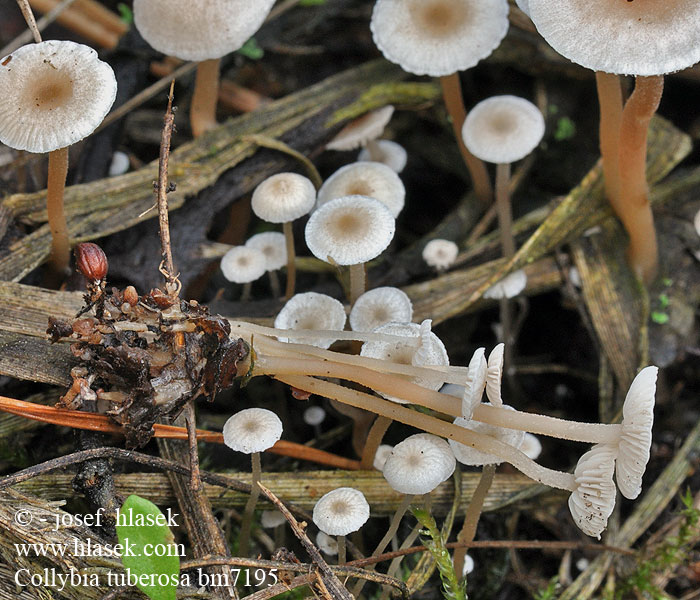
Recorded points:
(351, 220)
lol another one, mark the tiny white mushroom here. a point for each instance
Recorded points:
(314, 415)
(508, 287)
(270, 519)
(593, 500)
(468, 565)
(327, 544)
(440, 253)
(120, 163)
(387, 152)
(243, 265)
(380, 306)
(371, 179)
(351, 230)
(340, 512)
(362, 130)
(383, 452)
(470, 456)
(494, 374)
(531, 446)
(309, 311)
(272, 245)
(476, 383)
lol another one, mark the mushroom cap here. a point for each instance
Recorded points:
(271, 518)
(438, 37)
(440, 253)
(53, 94)
(635, 441)
(630, 38)
(242, 264)
(430, 351)
(309, 311)
(341, 511)
(350, 230)
(273, 246)
(494, 373)
(252, 430)
(314, 415)
(380, 306)
(371, 179)
(419, 464)
(364, 129)
(531, 446)
(593, 500)
(524, 5)
(212, 30)
(283, 197)
(470, 456)
(476, 382)
(503, 129)
(388, 153)
(383, 452)
(508, 287)
(327, 544)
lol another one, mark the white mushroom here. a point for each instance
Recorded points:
(362, 130)
(371, 179)
(494, 374)
(327, 544)
(242, 264)
(309, 311)
(440, 253)
(274, 247)
(314, 416)
(270, 519)
(473, 391)
(380, 306)
(387, 152)
(531, 446)
(508, 287)
(340, 512)
(383, 452)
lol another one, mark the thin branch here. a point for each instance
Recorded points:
(27, 35)
(29, 18)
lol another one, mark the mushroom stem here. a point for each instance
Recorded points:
(274, 284)
(505, 228)
(635, 208)
(610, 101)
(247, 289)
(60, 243)
(341, 550)
(358, 282)
(374, 438)
(206, 90)
(452, 95)
(291, 267)
(433, 425)
(247, 517)
(374, 151)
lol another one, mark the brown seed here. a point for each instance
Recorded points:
(131, 295)
(161, 299)
(91, 261)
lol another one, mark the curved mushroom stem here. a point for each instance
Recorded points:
(60, 243)
(376, 433)
(452, 95)
(204, 98)
(247, 517)
(635, 207)
(291, 266)
(397, 412)
(593, 433)
(610, 102)
(374, 151)
(358, 282)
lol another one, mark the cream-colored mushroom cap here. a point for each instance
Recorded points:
(380, 306)
(503, 129)
(327, 544)
(473, 391)
(440, 253)
(371, 179)
(350, 230)
(421, 348)
(309, 311)
(273, 247)
(271, 518)
(641, 37)
(252, 430)
(470, 456)
(283, 198)
(242, 264)
(594, 498)
(494, 374)
(508, 287)
(438, 37)
(364, 129)
(419, 464)
(635, 441)
(314, 415)
(531, 446)
(53, 94)
(388, 153)
(341, 511)
(383, 452)
(201, 31)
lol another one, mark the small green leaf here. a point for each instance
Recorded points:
(663, 300)
(125, 13)
(659, 317)
(311, 2)
(148, 551)
(666, 281)
(251, 50)
(566, 129)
